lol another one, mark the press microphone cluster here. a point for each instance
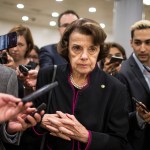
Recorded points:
(39, 92)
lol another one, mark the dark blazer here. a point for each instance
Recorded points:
(133, 78)
(100, 107)
(49, 56)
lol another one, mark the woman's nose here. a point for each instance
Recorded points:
(84, 54)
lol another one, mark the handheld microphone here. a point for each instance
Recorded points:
(39, 92)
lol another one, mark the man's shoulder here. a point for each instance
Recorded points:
(49, 47)
(128, 64)
(6, 70)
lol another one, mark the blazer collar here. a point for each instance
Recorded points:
(138, 73)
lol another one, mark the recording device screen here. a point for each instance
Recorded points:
(8, 40)
(116, 59)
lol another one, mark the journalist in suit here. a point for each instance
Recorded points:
(137, 80)
(48, 54)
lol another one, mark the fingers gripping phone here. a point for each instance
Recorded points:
(24, 70)
(140, 104)
(39, 109)
(116, 59)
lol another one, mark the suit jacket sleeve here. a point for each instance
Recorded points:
(12, 87)
(5, 137)
(45, 57)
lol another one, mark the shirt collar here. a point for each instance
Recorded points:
(138, 63)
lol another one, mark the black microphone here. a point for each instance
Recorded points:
(39, 92)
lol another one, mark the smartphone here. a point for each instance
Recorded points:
(138, 102)
(116, 59)
(39, 109)
(8, 40)
(24, 69)
(3, 58)
(39, 92)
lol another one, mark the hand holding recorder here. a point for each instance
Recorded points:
(142, 110)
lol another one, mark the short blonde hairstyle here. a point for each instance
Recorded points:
(140, 25)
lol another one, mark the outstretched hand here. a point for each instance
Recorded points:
(10, 106)
(20, 123)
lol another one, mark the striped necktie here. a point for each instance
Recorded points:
(147, 68)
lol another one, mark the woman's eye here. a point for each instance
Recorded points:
(76, 48)
(92, 50)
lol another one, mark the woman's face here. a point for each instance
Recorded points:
(83, 53)
(33, 56)
(18, 52)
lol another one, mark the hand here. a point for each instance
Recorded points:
(10, 106)
(20, 75)
(145, 115)
(80, 133)
(11, 62)
(67, 127)
(111, 68)
(31, 78)
(52, 122)
(19, 123)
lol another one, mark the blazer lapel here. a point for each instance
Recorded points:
(138, 73)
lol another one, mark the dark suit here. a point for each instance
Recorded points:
(49, 56)
(137, 86)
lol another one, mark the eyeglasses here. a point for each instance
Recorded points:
(78, 49)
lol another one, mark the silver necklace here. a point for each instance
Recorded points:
(76, 85)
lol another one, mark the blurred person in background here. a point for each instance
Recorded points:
(114, 49)
(48, 54)
(20, 56)
(34, 54)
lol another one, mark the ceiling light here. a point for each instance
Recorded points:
(55, 14)
(146, 2)
(52, 23)
(102, 25)
(59, 0)
(25, 18)
(92, 9)
(20, 6)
